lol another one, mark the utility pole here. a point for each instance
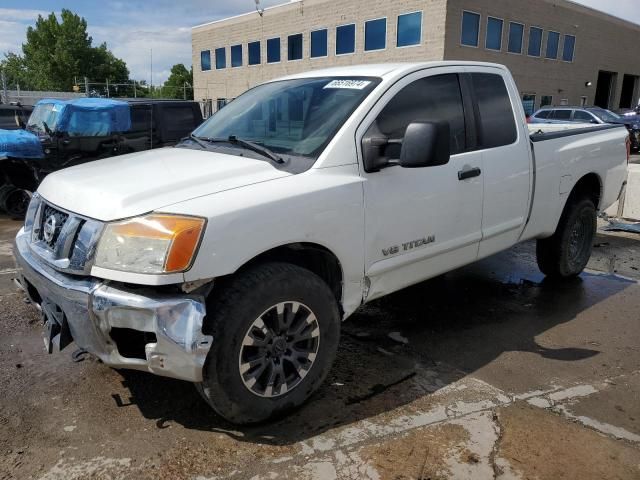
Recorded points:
(107, 88)
(5, 97)
(151, 64)
(135, 94)
(86, 86)
(184, 91)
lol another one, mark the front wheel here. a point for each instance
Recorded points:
(276, 329)
(566, 253)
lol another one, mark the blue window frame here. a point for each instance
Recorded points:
(553, 42)
(221, 58)
(375, 34)
(205, 60)
(409, 29)
(493, 41)
(273, 50)
(569, 48)
(535, 42)
(470, 29)
(516, 37)
(319, 43)
(236, 56)
(254, 54)
(294, 47)
(346, 39)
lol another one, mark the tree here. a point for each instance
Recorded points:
(56, 52)
(179, 84)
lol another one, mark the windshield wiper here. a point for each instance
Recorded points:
(198, 140)
(254, 147)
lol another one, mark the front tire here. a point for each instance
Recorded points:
(276, 329)
(566, 253)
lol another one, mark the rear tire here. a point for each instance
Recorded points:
(276, 329)
(566, 253)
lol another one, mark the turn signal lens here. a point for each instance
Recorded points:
(155, 243)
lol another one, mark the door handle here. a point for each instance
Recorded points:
(470, 173)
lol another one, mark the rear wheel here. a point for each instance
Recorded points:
(566, 253)
(276, 330)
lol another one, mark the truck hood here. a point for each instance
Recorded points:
(134, 184)
(19, 144)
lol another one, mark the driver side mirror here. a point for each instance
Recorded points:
(425, 144)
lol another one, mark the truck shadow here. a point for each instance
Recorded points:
(445, 329)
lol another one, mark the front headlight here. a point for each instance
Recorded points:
(156, 243)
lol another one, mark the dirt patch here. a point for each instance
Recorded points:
(420, 454)
(557, 448)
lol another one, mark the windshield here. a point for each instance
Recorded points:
(290, 117)
(605, 115)
(46, 112)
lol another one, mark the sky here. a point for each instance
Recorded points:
(132, 28)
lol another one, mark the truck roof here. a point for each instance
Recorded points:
(386, 69)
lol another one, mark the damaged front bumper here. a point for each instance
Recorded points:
(124, 327)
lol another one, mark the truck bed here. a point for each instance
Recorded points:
(564, 153)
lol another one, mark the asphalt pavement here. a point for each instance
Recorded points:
(490, 371)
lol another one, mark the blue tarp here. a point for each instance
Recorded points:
(20, 144)
(89, 117)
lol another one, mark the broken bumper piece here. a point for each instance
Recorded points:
(141, 329)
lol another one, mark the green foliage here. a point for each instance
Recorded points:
(56, 52)
(179, 84)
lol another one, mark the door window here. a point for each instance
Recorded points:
(437, 98)
(581, 116)
(561, 115)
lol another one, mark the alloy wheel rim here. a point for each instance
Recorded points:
(279, 349)
(578, 238)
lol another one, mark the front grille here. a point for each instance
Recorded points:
(52, 222)
(64, 240)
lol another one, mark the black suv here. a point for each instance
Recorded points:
(61, 134)
(14, 116)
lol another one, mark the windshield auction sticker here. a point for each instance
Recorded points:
(349, 84)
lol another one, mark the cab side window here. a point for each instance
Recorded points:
(437, 98)
(497, 125)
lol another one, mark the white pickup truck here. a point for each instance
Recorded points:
(230, 260)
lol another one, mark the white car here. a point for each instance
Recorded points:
(231, 260)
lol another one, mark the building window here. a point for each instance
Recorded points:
(221, 58)
(535, 42)
(294, 47)
(220, 103)
(236, 56)
(254, 53)
(553, 41)
(470, 29)
(273, 50)
(346, 39)
(516, 37)
(546, 100)
(205, 60)
(569, 48)
(529, 103)
(493, 40)
(375, 34)
(319, 43)
(409, 29)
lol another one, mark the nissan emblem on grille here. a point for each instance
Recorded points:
(49, 229)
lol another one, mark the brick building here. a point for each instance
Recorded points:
(559, 52)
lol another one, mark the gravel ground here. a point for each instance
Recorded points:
(487, 372)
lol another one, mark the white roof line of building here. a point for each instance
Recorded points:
(255, 12)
